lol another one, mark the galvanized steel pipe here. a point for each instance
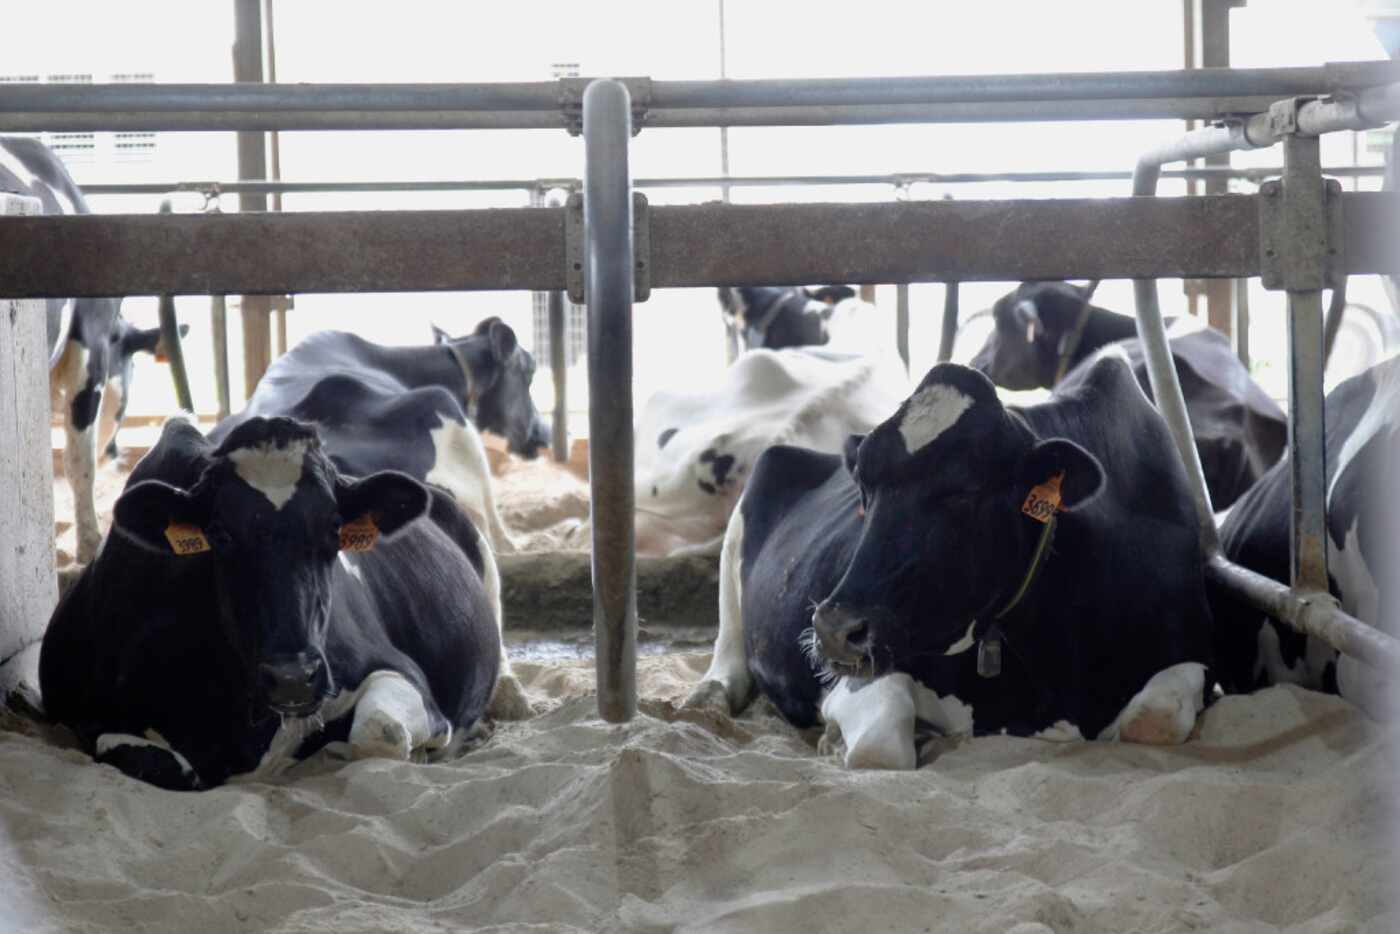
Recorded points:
(608, 286)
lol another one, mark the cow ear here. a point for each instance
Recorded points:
(389, 499)
(849, 451)
(440, 336)
(161, 518)
(141, 340)
(831, 294)
(503, 341)
(1027, 316)
(1080, 474)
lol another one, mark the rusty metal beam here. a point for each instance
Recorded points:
(702, 245)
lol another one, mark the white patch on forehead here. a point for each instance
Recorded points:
(930, 412)
(272, 471)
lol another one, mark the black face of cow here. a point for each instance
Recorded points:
(944, 540)
(272, 515)
(1022, 351)
(780, 317)
(499, 373)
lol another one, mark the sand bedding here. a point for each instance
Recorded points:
(1274, 818)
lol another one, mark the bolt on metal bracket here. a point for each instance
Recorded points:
(571, 102)
(574, 247)
(1300, 247)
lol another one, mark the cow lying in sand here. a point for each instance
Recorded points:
(253, 604)
(973, 568)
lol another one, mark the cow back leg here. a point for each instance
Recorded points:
(81, 397)
(728, 681)
(391, 719)
(1164, 712)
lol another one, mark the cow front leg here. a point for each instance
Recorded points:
(509, 701)
(1164, 712)
(80, 392)
(391, 720)
(728, 684)
(149, 759)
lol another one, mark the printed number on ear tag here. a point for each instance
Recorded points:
(186, 539)
(359, 535)
(1043, 501)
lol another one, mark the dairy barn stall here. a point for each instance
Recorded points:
(699, 466)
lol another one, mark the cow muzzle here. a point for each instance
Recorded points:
(294, 685)
(842, 637)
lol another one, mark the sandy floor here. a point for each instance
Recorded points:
(1273, 819)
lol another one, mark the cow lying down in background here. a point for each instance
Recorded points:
(971, 568)
(252, 604)
(1046, 331)
(1363, 551)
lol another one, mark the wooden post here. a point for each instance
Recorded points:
(1214, 20)
(28, 588)
(252, 164)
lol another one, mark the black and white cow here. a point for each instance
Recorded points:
(1036, 568)
(90, 346)
(252, 604)
(413, 409)
(772, 317)
(1045, 330)
(1363, 548)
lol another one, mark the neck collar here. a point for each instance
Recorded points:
(473, 394)
(1069, 342)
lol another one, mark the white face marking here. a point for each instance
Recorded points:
(272, 471)
(932, 411)
(965, 643)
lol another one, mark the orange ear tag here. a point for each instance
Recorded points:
(359, 535)
(161, 358)
(186, 539)
(1043, 501)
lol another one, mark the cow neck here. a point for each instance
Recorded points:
(469, 387)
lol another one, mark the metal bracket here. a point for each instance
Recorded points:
(1296, 251)
(574, 260)
(571, 102)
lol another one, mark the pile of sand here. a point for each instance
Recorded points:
(1276, 817)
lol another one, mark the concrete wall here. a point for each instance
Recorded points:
(28, 589)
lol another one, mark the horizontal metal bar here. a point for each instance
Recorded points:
(372, 251)
(699, 245)
(1314, 614)
(138, 121)
(702, 181)
(699, 95)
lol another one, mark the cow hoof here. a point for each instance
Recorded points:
(709, 695)
(380, 736)
(509, 700)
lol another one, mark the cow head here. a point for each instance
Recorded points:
(124, 343)
(498, 373)
(944, 540)
(780, 317)
(271, 515)
(1032, 324)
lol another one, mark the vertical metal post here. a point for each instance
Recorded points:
(901, 322)
(1304, 201)
(724, 130)
(949, 334)
(252, 164)
(219, 323)
(608, 287)
(558, 358)
(170, 339)
(1214, 24)
(1242, 321)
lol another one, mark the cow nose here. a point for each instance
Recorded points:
(293, 683)
(843, 636)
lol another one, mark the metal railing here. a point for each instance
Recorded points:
(629, 251)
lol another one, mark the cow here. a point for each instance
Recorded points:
(1045, 330)
(91, 347)
(695, 450)
(1363, 548)
(414, 409)
(252, 604)
(774, 318)
(1036, 568)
